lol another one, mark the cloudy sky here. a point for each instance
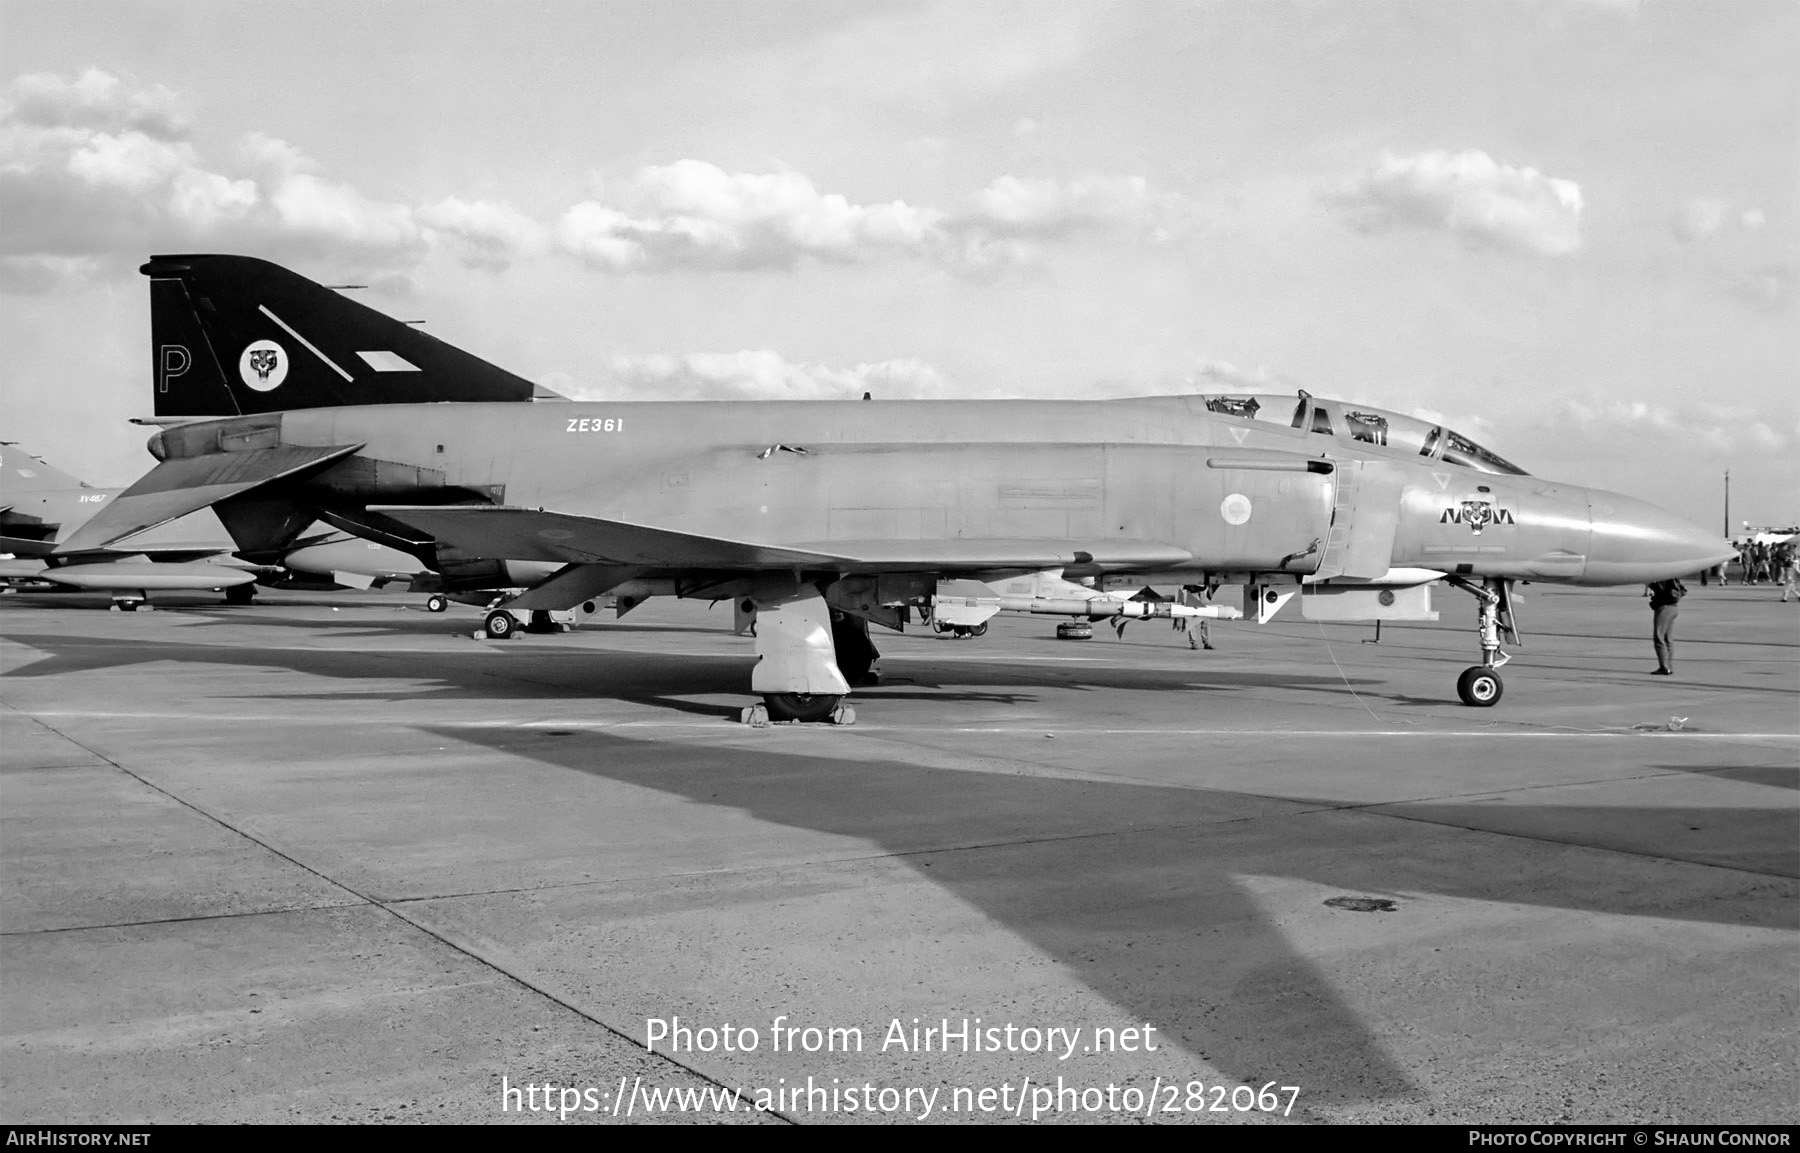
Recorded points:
(1567, 227)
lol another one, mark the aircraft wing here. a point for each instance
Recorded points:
(534, 534)
(26, 546)
(183, 485)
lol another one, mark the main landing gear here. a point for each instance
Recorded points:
(500, 624)
(808, 708)
(1480, 686)
(960, 631)
(797, 669)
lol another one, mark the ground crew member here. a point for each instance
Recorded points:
(1664, 597)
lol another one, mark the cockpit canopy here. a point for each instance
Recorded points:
(1363, 424)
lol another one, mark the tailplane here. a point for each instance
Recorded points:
(232, 335)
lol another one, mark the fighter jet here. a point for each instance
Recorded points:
(858, 508)
(41, 505)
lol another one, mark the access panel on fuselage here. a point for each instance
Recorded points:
(1233, 509)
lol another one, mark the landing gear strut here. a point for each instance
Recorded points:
(1480, 686)
(856, 653)
(796, 669)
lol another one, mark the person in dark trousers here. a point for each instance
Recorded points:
(1665, 596)
(1198, 635)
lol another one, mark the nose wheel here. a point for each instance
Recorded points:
(1480, 686)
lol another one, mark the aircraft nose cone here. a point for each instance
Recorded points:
(1634, 542)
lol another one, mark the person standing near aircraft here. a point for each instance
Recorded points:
(1198, 635)
(1665, 597)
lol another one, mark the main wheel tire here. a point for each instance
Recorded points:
(1479, 687)
(500, 624)
(979, 630)
(808, 707)
(435, 603)
(240, 594)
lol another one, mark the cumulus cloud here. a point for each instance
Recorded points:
(310, 207)
(1470, 195)
(97, 99)
(1222, 375)
(1706, 217)
(1767, 288)
(98, 167)
(1228, 374)
(1722, 428)
(35, 275)
(87, 192)
(1045, 208)
(692, 214)
(95, 168)
(396, 286)
(755, 375)
(695, 214)
(490, 235)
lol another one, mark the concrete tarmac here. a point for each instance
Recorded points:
(328, 858)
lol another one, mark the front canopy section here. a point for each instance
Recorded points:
(1361, 426)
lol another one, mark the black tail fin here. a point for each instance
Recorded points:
(232, 335)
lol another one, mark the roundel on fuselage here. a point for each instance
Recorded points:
(1235, 508)
(263, 366)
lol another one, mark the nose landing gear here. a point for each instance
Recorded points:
(1480, 686)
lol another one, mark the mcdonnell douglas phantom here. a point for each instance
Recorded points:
(283, 402)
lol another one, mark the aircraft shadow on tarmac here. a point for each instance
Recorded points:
(1135, 888)
(654, 678)
(1776, 776)
(406, 620)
